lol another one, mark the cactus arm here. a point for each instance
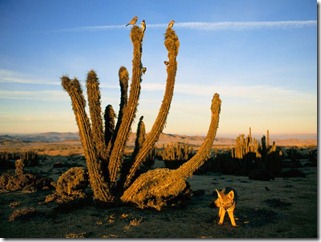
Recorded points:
(130, 109)
(123, 83)
(203, 153)
(109, 118)
(97, 181)
(93, 94)
(172, 45)
(140, 137)
(155, 187)
(78, 104)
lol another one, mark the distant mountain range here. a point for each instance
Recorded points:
(41, 137)
(281, 140)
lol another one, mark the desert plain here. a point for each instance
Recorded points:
(285, 207)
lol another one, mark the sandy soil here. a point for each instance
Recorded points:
(281, 208)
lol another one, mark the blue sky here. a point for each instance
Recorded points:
(260, 56)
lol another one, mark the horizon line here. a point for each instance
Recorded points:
(168, 133)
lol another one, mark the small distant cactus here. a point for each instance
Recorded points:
(244, 146)
(19, 167)
(175, 155)
(266, 157)
(30, 158)
(20, 180)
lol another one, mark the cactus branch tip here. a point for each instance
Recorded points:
(216, 102)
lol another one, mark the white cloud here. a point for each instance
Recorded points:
(257, 93)
(254, 93)
(7, 76)
(44, 95)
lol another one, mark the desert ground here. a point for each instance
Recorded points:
(280, 208)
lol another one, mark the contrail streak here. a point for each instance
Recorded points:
(208, 26)
(212, 26)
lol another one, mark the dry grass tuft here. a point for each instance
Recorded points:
(124, 215)
(135, 222)
(14, 204)
(81, 235)
(111, 219)
(22, 213)
(109, 236)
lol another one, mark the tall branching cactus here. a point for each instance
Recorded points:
(104, 148)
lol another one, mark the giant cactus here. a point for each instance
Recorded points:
(104, 145)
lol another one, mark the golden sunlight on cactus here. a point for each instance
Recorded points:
(111, 177)
(156, 188)
(172, 44)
